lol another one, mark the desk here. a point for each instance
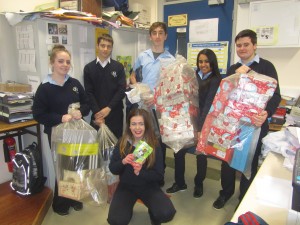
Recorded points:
(18, 129)
(271, 167)
(23, 210)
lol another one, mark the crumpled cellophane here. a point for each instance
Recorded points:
(177, 104)
(139, 93)
(107, 142)
(229, 132)
(78, 164)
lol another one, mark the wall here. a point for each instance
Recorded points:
(286, 60)
(28, 5)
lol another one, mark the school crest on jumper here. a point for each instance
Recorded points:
(114, 73)
(75, 89)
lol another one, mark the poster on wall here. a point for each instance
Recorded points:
(266, 35)
(220, 48)
(59, 33)
(99, 31)
(127, 63)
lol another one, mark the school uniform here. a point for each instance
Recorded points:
(264, 67)
(105, 86)
(51, 102)
(145, 187)
(208, 86)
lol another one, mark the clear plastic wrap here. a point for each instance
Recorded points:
(177, 104)
(228, 132)
(107, 142)
(78, 164)
(139, 93)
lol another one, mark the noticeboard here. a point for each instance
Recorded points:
(220, 48)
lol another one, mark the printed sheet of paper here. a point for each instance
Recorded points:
(204, 30)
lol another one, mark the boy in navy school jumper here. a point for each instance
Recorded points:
(105, 83)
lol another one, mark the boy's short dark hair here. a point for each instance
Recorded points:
(247, 33)
(156, 25)
(105, 37)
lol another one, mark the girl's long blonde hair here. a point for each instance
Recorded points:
(149, 135)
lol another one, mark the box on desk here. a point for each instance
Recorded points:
(15, 87)
(275, 127)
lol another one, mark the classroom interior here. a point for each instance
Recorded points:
(189, 210)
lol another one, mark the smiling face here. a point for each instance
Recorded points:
(61, 63)
(245, 49)
(137, 127)
(203, 64)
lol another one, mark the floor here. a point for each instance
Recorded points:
(189, 210)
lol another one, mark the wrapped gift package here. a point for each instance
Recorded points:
(228, 131)
(177, 106)
(78, 186)
(78, 162)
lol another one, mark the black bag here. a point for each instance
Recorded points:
(28, 175)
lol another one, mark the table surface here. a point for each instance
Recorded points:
(272, 170)
(17, 209)
(6, 127)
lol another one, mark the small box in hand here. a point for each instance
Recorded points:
(142, 151)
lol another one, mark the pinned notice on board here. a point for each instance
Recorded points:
(177, 20)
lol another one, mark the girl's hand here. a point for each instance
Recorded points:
(128, 159)
(76, 114)
(137, 168)
(66, 118)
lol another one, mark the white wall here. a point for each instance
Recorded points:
(286, 60)
(24, 5)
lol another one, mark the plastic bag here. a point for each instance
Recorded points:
(228, 132)
(177, 104)
(80, 175)
(139, 93)
(107, 142)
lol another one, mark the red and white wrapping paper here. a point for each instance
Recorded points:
(176, 101)
(238, 99)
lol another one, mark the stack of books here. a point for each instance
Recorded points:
(16, 107)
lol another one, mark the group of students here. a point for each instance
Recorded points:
(103, 93)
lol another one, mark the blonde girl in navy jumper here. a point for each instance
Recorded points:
(138, 181)
(50, 108)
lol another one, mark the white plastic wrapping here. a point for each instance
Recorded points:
(107, 142)
(177, 104)
(78, 164)
(228, 132)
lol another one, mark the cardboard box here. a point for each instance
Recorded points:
(275, 127)
(89, 6)
(15, 87)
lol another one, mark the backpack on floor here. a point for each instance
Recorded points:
(28, 175)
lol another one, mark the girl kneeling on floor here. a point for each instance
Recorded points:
(138, 180)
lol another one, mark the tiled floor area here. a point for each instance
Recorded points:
(190, 211)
